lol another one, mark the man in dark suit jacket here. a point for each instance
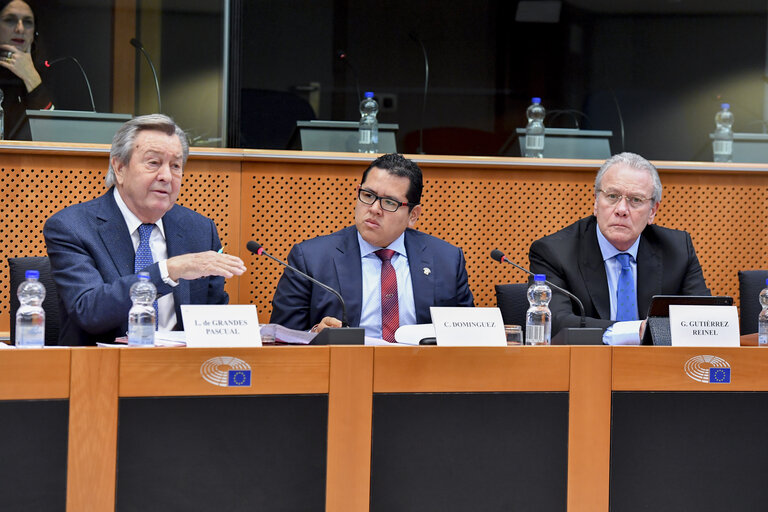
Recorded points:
(92, 245)
(430, 271)
(581, 256)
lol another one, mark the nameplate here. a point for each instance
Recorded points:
(235, 325)
(468, 327)
(703, 326)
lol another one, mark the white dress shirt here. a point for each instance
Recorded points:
(166, 311)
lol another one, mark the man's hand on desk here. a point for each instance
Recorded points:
(328, 321)
(203, 264)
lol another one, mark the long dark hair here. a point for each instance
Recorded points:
(35, 48)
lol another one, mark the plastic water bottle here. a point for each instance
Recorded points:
(538, 318)
(722, 145)
(141, 317)
(762, 319)
(2, 116)
(30, 318)
(534, 132)
(368, 141)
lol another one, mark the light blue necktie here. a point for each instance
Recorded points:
(144, 256)
(626, 296)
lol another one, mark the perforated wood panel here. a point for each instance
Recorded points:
(281, 198)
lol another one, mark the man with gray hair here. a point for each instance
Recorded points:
(616, 260)
(98, 247)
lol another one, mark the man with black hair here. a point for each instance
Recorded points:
(388, 273)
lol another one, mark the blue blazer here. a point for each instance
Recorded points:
(335, 260)
(92, 258)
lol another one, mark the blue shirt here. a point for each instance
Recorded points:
(370, 315)
(612, 271)
(613, 267)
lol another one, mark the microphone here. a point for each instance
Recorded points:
(257, 249)
(82, 71)
(343, 57)
(137, 44)
(415, 37)
(499, 256)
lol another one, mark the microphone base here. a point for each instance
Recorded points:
(579, 336)
(340, 336)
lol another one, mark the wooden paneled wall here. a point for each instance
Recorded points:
(280, 198)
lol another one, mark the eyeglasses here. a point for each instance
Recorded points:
(613, 198)
(387, 203)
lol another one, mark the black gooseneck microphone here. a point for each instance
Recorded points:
(344, 57)
(82, 71)
(257, 249)
(415, 37)
(499, 256)
(137, 44)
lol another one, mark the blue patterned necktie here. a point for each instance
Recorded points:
(144, 256)
(626, 296)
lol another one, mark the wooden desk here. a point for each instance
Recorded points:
(594, 427)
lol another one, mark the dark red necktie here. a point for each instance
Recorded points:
(390, 312)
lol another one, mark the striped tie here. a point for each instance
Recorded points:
(390, 311)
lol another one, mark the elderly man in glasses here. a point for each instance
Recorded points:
(388, 273)
(616, 259)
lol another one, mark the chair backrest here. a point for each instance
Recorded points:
(18, 267)
(750, 284)
(512, 300)
(268, 118)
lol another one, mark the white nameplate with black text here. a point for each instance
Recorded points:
(468, 327)
(704, 326)
(234, 325)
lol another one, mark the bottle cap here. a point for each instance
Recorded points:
(725, 106)
(32, 274)
(143, 276)
(539, 277)
(369, 94)
(536, 100)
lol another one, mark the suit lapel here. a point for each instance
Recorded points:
(114, 234)
(174, 242)
(349, 274)
(420, 262)
(648, 275)
(593, 271)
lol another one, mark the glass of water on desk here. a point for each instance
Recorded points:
(514, 334)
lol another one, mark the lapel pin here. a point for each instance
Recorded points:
(427, 271)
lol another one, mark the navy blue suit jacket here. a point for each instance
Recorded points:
(571, 258)
(335, 260)
(92, 258)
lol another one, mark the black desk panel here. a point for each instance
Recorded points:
(702, 451)
(265, 453)
(33, 454)
(469, 451)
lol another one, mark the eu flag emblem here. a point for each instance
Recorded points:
(720, 375)
(240, 378)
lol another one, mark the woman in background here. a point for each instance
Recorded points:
(20, 79)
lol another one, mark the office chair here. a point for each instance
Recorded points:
(750, 284)
(512, 300)
(17, 268)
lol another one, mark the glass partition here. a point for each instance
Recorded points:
(455, 77)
